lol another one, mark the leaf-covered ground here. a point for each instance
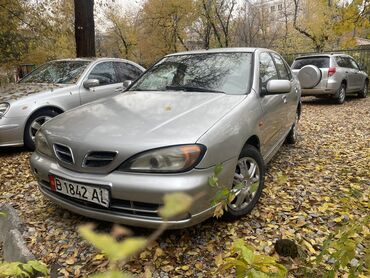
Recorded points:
(311, 189)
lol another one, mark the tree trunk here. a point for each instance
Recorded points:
(84, 28)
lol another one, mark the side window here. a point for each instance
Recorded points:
(353, 64)
(105, 73)
(267, 69)
(126, 71)
(340, 61)
(347, 62)
(280, 65)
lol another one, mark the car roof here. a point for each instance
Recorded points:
(322, 55)
(220, 50)
(92, 59)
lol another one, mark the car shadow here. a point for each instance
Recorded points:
(326, 101)
(12, 150)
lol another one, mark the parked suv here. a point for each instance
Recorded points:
(333, 75)
(116, 158)
(55, 87)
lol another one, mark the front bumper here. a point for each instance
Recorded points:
(135, 198)
(11, 131)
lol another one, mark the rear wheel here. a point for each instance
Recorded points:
(340, 96)
(363, 92)
(248, 182)
(33, 125)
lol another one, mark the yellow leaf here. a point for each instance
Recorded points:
(338, 219)
(309, 247)
(219, 259)
(158, 253)
(219, 210)
(199, 266)
(98, 257)
(185, 267)
(175, 204)
(70, 260)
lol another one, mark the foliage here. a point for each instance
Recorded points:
(37, 31)
(223, 195)
(29, 269)
(118, 252)
(249, 264)
(340, 249)
(113, 249)
(175, 204)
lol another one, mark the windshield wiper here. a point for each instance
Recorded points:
(192, 89)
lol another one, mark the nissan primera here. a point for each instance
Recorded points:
(114, 159)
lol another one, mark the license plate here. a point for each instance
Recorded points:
(94, 194)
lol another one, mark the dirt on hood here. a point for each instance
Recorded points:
(20, 90)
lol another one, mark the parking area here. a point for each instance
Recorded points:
(329, 163)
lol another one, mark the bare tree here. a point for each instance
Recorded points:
(218, 14)
(255, 26)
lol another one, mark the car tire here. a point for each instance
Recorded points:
(292, 136)
(363, 92)
(250, 162)
(33, 125)
(340, 96)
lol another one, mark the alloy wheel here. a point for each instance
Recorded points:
(342, 94)
(36, 125)
(246, 183)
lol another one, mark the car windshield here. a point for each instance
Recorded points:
(320, 62)
(63, 72)
(227, 73)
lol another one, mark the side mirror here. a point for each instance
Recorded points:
(127, 83)
(89, 83)
(277, 87)
(362, 66)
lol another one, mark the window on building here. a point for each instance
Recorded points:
(272, 8)
(280, 7)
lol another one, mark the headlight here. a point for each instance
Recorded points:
(4, 107)
(42, 145)
(165, 160)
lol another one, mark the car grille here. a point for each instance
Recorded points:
(124, 207)
(99, 159)
(64, 153)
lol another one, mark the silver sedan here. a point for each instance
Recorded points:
(115, 159)
(55, 87)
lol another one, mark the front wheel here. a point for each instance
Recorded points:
(363, 92)
(292, 136)
(248, 182)
(33, 125)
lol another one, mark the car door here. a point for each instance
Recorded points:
(109, 84)
(351, 74)
(273, 106)
(289, 98)
(358, 77)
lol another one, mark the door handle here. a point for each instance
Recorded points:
(284, 99)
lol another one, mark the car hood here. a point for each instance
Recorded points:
(137, 121)
(19, 90)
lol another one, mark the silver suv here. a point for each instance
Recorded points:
(330, 75)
